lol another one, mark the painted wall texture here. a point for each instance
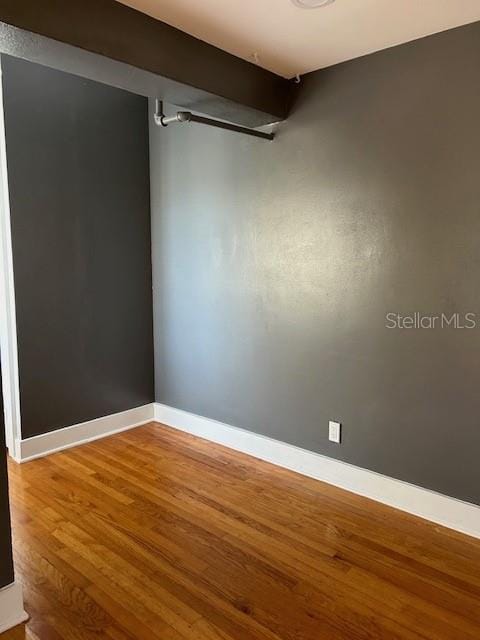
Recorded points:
(275, 264)
(78, 168)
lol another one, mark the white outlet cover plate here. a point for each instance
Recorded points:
(334, 431)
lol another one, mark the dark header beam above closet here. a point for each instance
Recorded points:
(136, 52)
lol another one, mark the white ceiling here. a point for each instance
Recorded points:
(289, 40)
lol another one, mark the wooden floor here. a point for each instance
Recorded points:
(156, 534)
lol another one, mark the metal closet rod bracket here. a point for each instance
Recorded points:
(186, 116)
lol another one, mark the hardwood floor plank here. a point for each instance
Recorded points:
(154, 533)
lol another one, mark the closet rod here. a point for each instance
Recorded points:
(186, 116)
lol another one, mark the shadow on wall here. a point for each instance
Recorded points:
(81, 245)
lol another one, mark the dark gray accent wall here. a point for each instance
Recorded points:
(78, 155)
(276, 263)
(6, 562)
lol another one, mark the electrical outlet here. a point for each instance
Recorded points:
(334, 431)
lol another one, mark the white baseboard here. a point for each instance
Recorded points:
(444, 510)
(449, 512)
(54, 441)
(11, 607)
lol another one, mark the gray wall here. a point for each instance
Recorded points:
(275, 264)
(6, 564)
(77, 156)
